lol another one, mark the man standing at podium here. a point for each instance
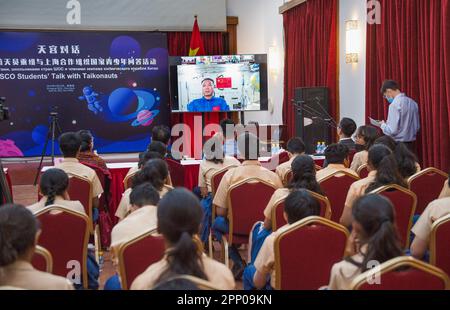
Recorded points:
(403, 121)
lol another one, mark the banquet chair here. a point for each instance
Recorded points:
(65, 234)
(42, 259)
(136, 255)
(278, 209)
(439, 244)
(277, 160)
(288, 177)
(404, 202)
(402, 273)
(427, 185)
(128, 181)
(306, 251)
(176, 171)
(363, 171)
(335, 187)
(217, 177)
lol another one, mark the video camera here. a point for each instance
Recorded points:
(4, 111)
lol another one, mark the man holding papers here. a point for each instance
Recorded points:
(403, 121)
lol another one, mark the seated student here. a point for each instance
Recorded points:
(422, 229)
(162, 134)
(143, 158)
(445, 189)
(406, 160)
(346, 129)
(87, 154)
(142, 219)
(260, 273)
(154, 172)
(365, 138)
(19, 233)
(70, 144)
(295, 147)
(179, 216)
(335, 155)
(303, 177)
(248, 145)
(383, 171)
(209, 102)
(374, 238)
(53, 186)
(215, 160)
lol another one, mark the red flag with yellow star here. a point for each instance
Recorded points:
(196, 45)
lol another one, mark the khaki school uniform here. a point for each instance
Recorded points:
(133, 170)
(445, 191)
(332, 168)
(124, 205)
(72, 166)
(134, 225)
(343, 273)
(21, 274)
(217, 273)
(68, 204)
(265, 260)
(278, 195)
(434, 211)
(248, 169)
(208, 169)
(283, 169)
(359, 159)
(358, 189)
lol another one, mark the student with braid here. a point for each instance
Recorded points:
(179, 216)
(374, 238)
(53, 186)
(19, 233)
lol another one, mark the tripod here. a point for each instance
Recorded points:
(51, 135)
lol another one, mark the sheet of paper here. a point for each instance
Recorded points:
(375, 122)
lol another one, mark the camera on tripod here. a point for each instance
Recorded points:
(4, 111)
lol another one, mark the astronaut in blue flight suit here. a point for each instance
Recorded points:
(208, 103)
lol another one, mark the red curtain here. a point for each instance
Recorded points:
(178, 45)
(412, 46)
(311, 53)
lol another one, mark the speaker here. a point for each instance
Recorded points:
(312, 121)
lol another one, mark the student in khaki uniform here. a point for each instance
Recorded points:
(303, 177)
(215, 160)
(70, 144)
(53, 186)
(142, 219)
(422, 229)
(365, 138)
(154, 172)
(179, 215)
(335, 155)
(406, 160)
(18, 238)
(295, 147)
(248, 145)
(383, 171)
(144, 157)
(373, 238)
(298, 205)
(445, 190)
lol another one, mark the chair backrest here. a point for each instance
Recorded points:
(427, 185)
(336, 187)
(136, 255)
(65, 234)
(177, 172)
(128, 181)
(80, 189)
(42, 259)
(217, 177)
(288, 177)
(246, 202)
(349, 158)
(402, 273)
(306, 252)
(277, 211)
(439, 244)
(404, 202)
(363, 171)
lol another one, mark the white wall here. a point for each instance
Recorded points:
(260, 27)
(352, 80)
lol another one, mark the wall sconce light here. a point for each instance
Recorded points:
(274, 61)
(352, 41)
